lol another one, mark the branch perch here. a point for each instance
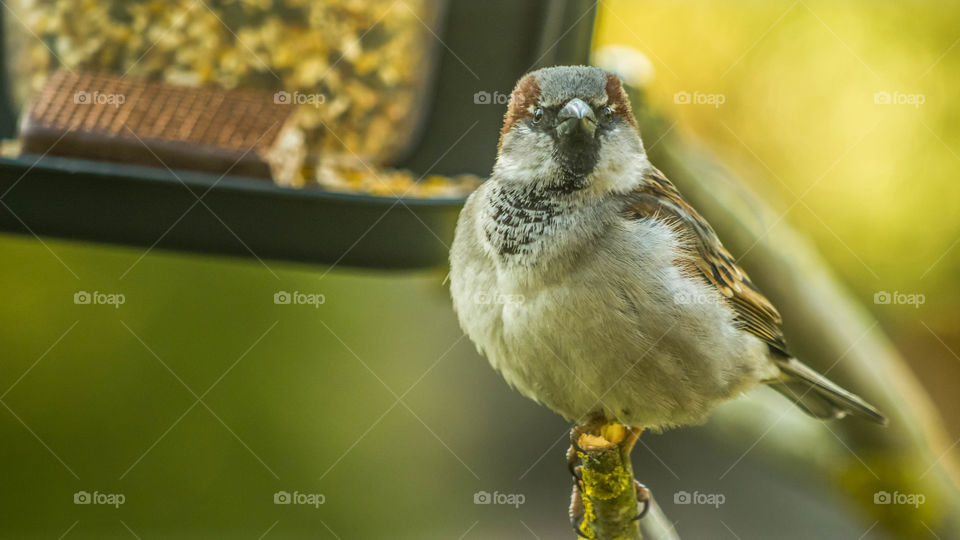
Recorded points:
(605, 494)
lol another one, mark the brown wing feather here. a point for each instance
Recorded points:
(657, 198)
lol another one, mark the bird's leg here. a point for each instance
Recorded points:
(644, 498)
(573, 463)
(633, 435)
(575, 467)
(576, 509)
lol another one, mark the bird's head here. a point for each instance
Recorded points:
(567, 129)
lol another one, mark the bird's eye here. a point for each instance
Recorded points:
(607, 113)
(538, 115)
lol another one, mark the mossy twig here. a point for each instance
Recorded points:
(606, 485)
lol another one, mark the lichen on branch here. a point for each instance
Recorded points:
(608, 498)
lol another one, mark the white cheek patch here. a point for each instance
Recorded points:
(527, 156)
(522, 155)
(623, 162)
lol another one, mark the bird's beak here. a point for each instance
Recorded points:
(576, 116)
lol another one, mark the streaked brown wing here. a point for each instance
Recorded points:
(657, 198)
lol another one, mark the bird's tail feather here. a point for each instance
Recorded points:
(818, 396)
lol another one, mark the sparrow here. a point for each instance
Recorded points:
(594, 288)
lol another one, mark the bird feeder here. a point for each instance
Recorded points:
(447, 123)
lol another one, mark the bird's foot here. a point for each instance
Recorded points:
(573, 463)
(576, 469)
(576, 510)
(644, 499)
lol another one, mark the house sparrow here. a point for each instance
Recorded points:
(588, 281)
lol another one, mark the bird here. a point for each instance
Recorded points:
(594, 288)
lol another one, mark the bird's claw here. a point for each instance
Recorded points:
(576, 500)
(573, 463)
(644, 499)
(576, 510)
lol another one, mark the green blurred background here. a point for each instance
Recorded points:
(878, 183)
(375, 400)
